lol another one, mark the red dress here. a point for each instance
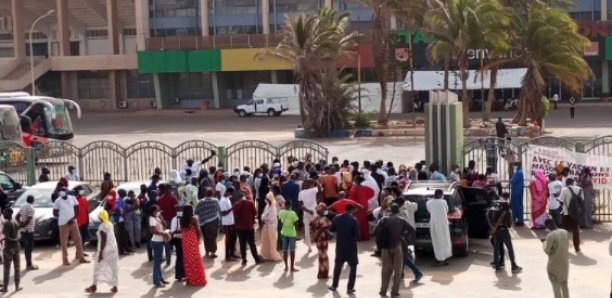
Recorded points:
(192, 259)
(361, 195)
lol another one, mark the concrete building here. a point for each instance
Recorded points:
(137, 54)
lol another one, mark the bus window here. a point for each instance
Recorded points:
(61, 125)
(10, 126)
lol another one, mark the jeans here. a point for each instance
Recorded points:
(230, 241)
(209, 233)
(502, 236)
(409, 261)
(158, 248)
(179, 268)
(556, 216)
(132, 224)
(28, 246)
(122, 237)
(84, 232)
(500, 251)
(10, 256)
(247, 237)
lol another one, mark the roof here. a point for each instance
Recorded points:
(434, 80)
(32, 98)
(52, 185)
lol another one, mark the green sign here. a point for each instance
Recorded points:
(179, 61)
(608, 48)
(402, 37)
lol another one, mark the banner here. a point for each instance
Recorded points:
(547, 159)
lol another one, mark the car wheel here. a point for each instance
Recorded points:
(277, 114)
(271, 112)
(242, 113)
(463, 250)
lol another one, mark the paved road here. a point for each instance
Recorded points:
(464, 277)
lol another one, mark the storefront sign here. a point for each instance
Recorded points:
(594, 29)
(591, 49)
(402, 37)
(546, 159)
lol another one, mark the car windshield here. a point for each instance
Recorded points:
(250, 102)
(42, 198)
(61, 125)
(421, 200)
(10, 128)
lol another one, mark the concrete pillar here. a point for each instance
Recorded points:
(328, 3)
(265, 16)
(114, 89)
(69, 85)
(393, 22)
(112, 25)
(63, 28)
(158, 93)
(18, 29)
(215, 86)
(204, 17)
(605, 66)
(604, 10)
(274, 77)
(142, 23)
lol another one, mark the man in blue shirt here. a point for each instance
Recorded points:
(347, 233)
(290, 190)
(120, 230)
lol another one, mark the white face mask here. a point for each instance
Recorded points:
(325, 212)
(180, 213)
(81, 192)
(62, 194)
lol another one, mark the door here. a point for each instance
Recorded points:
(260, 106)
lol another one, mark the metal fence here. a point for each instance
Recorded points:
(138, 161)
(491, 151)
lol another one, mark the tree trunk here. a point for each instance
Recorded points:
(465, 98)
(446, 69)
(491, 95)
(381, 57)
(302, 99)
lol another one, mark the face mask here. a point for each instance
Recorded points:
(325, 212)
(81, 192)
(62, 194)
(260, 175)
(515, 168)
(180, 213)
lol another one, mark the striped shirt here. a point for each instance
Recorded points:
(27, 212)
(207, 210)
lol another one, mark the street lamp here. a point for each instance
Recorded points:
(50, 12)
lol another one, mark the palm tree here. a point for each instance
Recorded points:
(457, 26)
(313, 44)
(546, 42)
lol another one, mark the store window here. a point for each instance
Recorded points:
(279, 9)
(235, 16)
(93, 84)
(360, 13)
(174, 17)
(139, 85)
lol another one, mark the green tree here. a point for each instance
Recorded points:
(457, 26)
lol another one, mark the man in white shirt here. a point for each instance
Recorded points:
(569, 223)
(555, 100)
(308, 203)
(220, 188)
(72, 174)
(188, 194)
(177, 242)
(196, 166)
(554, 189)
(66, 208)
(227, 221)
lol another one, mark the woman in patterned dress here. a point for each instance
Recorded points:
(192, 259)
(319, 228)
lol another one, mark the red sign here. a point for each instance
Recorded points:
(594, 29)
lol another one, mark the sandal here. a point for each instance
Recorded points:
(91, 289)
(114, 290)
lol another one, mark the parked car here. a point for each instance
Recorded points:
(11, 188)
(269, 106)
(423, 191)
(45, 223)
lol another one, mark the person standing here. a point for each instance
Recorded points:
(157, 226)
(72, 174)
(517, 185)
(392, 257)
(586, 183)
(556, 247)
(554, 190)
(555, 100)
(189, 193)
(194, 265)
(288, 219)
(208, 211)
(361, 195)
(539, 197)
(44, 175)
(320, 236)
(435, 173)
(262, 192)
(438, 227)
(308, 203)
(572, 102)
(572, 211)
(66, 209)
(106, 186)
(227, 221)
(120, 230)
(330, 185)
(167, 203)
(346, 228)
(10, 253)
(269, 232)
(501, 131)
(500, 229)
(83, 215)
(132, 219)
(106, 267)
(25, 218)
(244, 216)
(177, 243)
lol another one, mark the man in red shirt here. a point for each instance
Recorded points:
(244, 221)
(83, 215)
(167, 203)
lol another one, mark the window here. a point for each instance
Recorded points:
(129, 31)
(93, 84)
(139, 85)
(97, 33)
(6, 182)
(235, 16)
(166, 16)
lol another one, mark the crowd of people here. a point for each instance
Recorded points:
(341, 200)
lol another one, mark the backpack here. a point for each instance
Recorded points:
(382, 235)
(576, 206)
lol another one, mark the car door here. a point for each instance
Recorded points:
(10, 187)
(249, 107)
(260, 106)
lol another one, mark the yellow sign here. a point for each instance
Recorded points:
(247, 59)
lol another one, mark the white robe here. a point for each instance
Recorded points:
(439, 229)
(107, 271)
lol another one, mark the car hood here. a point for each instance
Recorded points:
(93, 216)
(40, 214)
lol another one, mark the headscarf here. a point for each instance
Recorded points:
(541, 181)
(103, 216)
(63, 181)
(175, 177)
(321, 208)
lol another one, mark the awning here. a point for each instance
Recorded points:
(434, 80)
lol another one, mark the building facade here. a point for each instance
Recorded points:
(137, 54)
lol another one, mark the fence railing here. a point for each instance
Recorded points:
(137, 162)
(491, 152)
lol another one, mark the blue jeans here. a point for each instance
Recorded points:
(28, 246)
(158, 250)
(556, 216)
(409, 261)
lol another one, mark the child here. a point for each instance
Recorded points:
(288, 218)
